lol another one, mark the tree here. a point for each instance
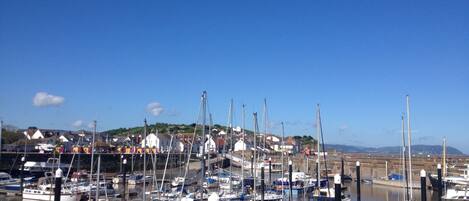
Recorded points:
(9, 137)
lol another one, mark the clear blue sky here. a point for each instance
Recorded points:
(358, 59)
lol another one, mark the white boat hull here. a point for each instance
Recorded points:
(50, 197)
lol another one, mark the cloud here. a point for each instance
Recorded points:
(77, 124)
(43, 99)
(155, 108)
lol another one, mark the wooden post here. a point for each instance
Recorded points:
(423, 185)
(290, 182)
(262, 183)
(120, 170)
(440, 184)
(342, 173)
(337, 187)
(358, 181)
(124, 178)
(23, 159)
(270, 171)
(58, 184)
(318, 183)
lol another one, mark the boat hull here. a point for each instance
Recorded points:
(48, 197)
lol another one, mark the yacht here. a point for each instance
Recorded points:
(456, 194)
(5, 179)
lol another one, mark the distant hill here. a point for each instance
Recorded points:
(416, 149)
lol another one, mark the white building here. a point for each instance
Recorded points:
(162, 142)
(272, 138)
(210, 145)
(37, 135)
(240, 145)
(62, 138)
(237, 129)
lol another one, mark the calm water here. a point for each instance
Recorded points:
(369, 193)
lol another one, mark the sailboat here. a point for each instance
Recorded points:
(266, 195)
(44, 191)
(192, 196)
(323, 193)
(228, 182)
(395, 179)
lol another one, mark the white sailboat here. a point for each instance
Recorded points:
(324, 193)
(45, 190)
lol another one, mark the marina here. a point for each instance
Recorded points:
(234, 100)
(216, 172)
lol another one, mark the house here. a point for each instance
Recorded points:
(240, 145)
(291, 145)
(237, 129)
(162, 142)
(62, 138)
(272, 138)
(222, 132)
(37, 135)
(210, 145)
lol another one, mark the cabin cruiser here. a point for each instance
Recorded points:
(10, 184)
(300, 180)
(456, 194)
(37, 169)
(451, 181)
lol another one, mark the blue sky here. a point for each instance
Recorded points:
(109, 59)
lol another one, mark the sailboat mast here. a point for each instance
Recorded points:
(92, 154)
(204, 114)
(210, 123)
(404, 158)
(318, 131)
(166, 164)
(242, 150)
(1, 129)
(189, 151)
(323, 148)
(231, 140)
(283, 145)
(144, 159)
(444, 157)
(409, 140)
(97, 177)
(256, 129)
(265, 125)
